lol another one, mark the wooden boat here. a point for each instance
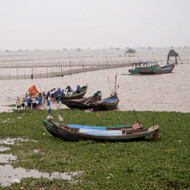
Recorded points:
(138, 65)
(113, 133)
(93, 102)
(107, 104)
(52, 127)
(83, 103)
(157, 69)
(75, 94)
(153, 67)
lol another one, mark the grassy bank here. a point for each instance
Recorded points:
(145, 164)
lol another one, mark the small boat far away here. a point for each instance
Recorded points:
(157, 69)
(154, 67)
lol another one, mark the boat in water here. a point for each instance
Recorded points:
(154, 67)
(157, 69)
(139, 65)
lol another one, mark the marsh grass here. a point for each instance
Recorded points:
(142, 164)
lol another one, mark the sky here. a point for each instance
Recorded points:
(58, 24)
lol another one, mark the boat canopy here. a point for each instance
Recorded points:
(144, 64)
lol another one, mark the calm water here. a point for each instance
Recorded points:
(9, 174)
(166, 92)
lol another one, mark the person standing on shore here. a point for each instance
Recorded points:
(18, 105)
(78, 88)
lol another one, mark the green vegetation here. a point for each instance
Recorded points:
(12, 105)
(133, 165)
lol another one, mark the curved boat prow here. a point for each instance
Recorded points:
(156, 132)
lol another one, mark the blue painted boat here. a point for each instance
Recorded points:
(109, 103)
(113, 133)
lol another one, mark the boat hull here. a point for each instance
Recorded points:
(76, 104)
(93, 103)
(75, 95)
(107, 104)
(134, 71)
(112, 134)
(163, 70)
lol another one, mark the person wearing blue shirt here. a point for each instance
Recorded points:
(48, 102)
(62, 93)
(57, 93)
(29, 101)
(47, 95)
(39, 99)
(69, 89)
(78, 88)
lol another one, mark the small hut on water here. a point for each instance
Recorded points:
(174, 54)
(130, 53)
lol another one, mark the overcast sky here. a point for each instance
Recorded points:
(58, 24)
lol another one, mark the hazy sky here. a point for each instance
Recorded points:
(58, 24)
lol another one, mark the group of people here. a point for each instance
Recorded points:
(68, 89)
(29, 101)
(59, 93)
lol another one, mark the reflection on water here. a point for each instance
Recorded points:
(165, 92)
(8, 174)
(5, 158)
(10, 141)
(2, 149)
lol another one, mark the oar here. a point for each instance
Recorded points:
(115, 82)
(109, 84)
(43, 99)
(59, 113)
(154, 118)
(60, 117)
(180, 59)
(136, 115)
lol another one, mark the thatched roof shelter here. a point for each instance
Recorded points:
(130, 52)
(174, 54)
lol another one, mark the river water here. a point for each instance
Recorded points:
(165, 92)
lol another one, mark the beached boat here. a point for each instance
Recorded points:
(77, 103)
(109, 103)
(157, 69)
(111, 133)
(52, 127)
(83, 103)
(94, 102)
(75, 94)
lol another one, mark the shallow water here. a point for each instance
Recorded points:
(2, 149)
(166, 92)
(8, 174)
(11, 141)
